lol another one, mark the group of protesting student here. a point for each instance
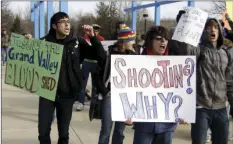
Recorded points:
(214, 83)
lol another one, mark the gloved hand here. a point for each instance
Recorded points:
(108, 94)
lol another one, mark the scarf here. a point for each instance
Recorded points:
(149, 52)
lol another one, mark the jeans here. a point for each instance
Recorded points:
(4, 55)
(64, 113)
(216, 120)
(228, 114)
(106, 125)
(87, 67)
(152, 138)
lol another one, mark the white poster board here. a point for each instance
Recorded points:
(153, 88)
(107, 43)
(190, 26)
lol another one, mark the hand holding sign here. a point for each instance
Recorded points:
(182, 122)
(28, 36)
(34, 65)
(129, 122)
(190, 26)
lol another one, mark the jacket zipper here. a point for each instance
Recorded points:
(215, 81)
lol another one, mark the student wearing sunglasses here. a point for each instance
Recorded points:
(156, 41)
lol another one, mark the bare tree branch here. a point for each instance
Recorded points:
(7, 16)
(56, 6)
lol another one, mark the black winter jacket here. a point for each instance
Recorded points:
(75, 50)
(103, 85)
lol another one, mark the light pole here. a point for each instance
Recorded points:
(145, 17)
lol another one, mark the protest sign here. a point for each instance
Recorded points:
(34, 65)
(153, 88)
(190, 26)
(229, 7)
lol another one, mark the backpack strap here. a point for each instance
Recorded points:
(106, 66)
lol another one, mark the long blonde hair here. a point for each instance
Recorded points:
(127, 46)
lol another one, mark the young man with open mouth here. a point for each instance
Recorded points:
(70, 78)
(214, 83)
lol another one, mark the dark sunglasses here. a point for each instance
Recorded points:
(159, 38)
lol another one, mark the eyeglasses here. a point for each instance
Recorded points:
(64, 21)
(159, 38)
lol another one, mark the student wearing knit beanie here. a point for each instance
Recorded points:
(126, 40)
(156, 41)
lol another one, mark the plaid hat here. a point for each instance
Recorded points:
(126, 34)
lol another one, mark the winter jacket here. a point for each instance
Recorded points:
(214, 70)
(103, 83)
(229, 34)
(74, 51)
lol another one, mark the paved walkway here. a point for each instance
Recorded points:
(19, 122)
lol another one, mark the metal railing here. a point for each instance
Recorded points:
(38, 15)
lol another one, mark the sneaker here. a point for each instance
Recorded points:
(208, 139)
(80, 107)
(230, 137)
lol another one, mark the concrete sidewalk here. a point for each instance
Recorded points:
(19, 122)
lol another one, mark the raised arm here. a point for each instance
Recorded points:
(94, 50)
(229, 21)
(229, 34)
(180, 48)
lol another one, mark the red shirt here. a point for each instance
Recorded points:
(149, 52)
(100, 38)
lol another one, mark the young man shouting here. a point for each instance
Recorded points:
(214, 83)
(70, 79)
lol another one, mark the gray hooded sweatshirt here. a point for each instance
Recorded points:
(214, 70)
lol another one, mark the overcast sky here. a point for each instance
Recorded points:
(167, 11)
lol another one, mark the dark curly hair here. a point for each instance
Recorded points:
(153, 32)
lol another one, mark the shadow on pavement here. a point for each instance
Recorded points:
(28, 102)
(21, 115)
(20, 141)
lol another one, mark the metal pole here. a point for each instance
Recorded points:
(42, 20)
(145, 26)
(157, 15)
(63, 6)
(134, 15)
(191, 3)
(50, 13)
(32, 10)
(36, 22)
